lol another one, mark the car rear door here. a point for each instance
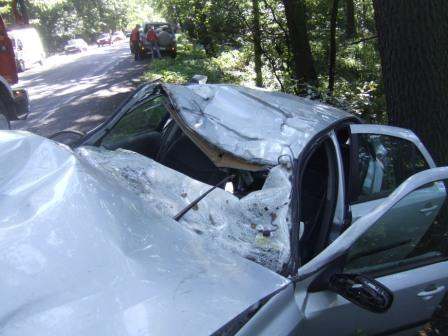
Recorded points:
(408, 256)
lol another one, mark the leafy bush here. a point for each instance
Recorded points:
(228, 67)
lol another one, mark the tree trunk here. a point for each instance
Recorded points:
(257, 43)
(413, 45)
(332, 62)
(299, 43)
(350, 27)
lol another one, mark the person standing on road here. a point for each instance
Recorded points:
(154, 42)
(135, 42)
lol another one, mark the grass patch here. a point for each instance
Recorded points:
(228, 67)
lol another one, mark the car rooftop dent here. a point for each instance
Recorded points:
(245, 128)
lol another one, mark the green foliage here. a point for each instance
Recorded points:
(60, 20)
(217, 25)
(191, 60)
(218, 42)
(211, 23)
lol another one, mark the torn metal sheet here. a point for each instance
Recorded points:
(86, 253)
(234, 124)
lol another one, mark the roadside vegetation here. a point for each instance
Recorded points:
(60, 20)
(249, 43)
(228, 67)
(348, 53)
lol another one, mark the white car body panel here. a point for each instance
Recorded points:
(90, 246)
(325, 310)
(81, 255)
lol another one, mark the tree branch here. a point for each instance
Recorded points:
(364, 40)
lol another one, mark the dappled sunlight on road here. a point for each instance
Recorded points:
(78, 91)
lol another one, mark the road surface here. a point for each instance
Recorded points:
(78, 91)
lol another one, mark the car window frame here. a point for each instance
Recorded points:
(336, 252)
(143, 92)
(131, 110)
(355, 183)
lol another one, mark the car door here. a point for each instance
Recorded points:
(409, 257)
(382, 157)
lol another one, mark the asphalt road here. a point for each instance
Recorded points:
(78, 91)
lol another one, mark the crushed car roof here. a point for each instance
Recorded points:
(235, 125)
(86, 254)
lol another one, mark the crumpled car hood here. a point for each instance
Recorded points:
(83, 255)
(238, 127)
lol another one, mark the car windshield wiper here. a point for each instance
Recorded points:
(197, 200)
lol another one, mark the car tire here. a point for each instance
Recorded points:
(4, 121)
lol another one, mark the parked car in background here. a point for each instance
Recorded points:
(325, 224)
(118, 36)
(28, 48)
(166, 36)
(75, 46)
(104, 39)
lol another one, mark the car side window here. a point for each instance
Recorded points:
(145, 117)
(413, 232)
(383, 163)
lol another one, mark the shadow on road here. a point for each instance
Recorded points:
(77, 95)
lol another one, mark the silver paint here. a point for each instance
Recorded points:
(81, 255)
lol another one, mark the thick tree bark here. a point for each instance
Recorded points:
(332, 61)
(350, 28)
(295, 12)
(257, 43)
(413, 44)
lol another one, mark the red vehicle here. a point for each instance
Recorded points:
(14, 104)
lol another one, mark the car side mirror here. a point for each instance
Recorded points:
(362, 291)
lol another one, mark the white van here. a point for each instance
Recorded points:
(28, 47)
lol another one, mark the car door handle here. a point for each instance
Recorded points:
(428, 209)
(430, 292)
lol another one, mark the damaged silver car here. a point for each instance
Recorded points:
(221, 210)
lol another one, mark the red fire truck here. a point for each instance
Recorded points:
(14, 103)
